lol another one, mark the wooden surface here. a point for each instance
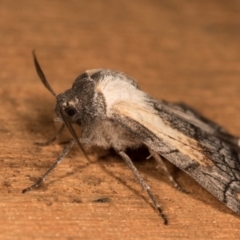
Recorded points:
(186, 51)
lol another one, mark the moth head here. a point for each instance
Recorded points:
(67, 109)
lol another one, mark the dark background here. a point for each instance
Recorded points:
(186, 51)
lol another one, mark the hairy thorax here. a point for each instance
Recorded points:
(107, 134)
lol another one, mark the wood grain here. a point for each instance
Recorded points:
(186, 51)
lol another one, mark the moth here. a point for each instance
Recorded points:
(114, 113)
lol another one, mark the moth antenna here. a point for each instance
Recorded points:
(73, 133)
(41, 74)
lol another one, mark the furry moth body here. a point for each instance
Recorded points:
(114, 113)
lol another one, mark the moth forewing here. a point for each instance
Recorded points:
(211, 161)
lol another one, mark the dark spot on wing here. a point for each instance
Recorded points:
(96, 76)
(83, 75)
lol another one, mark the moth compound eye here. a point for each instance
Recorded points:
(70, 111)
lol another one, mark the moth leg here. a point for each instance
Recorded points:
(59, 159)
(160, 162)
(144, 185)
(58, 134)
